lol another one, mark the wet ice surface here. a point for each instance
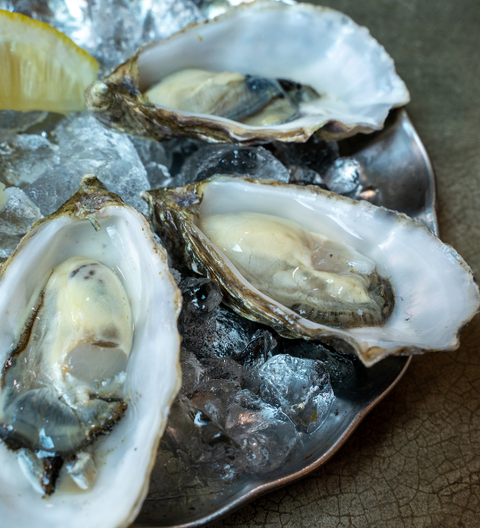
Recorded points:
(79, 145)
(49, 171)
(208, 328)
(87, 147)
(18, 213)
(213, 8)
(25, 157)
(219, 333)
(180, 161)
(307, 162)
(201, 296)
(156, 159)
(20, 121)
(263, 431)
(48, 165)
(195, 456)
(343, 177)
(346, 176)
(340, 367)
(234, 160)
(16, 218)
(300, 387)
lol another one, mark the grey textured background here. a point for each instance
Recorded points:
(415, 460)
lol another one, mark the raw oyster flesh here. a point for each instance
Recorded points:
(322, 280)
(263, 240)
(61, 384)
(248, 99)
(339, 80)
(90, 353)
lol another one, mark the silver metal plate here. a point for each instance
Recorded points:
(397, 165)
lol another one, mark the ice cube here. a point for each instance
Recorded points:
(193, 373)
(200, 296)
(211, 330)
(224, 368)
(155, 159)
(178, 150)
(25, 157)
(264, 432)
(20, 121)
(219, 333)
(347, 176)
(165, 17)
(52, 189)
(211, 383)
(344, 177)
(258, 350)
(300, 387)
(3, 196)
(18, 213)
(340, 367)
(7, 245)
(214, 398)
(307, 162)
(208, 329)
(195, 456)
(214, 8)
(86, 147)
(305, 176)
(236, 160)
(16, 217)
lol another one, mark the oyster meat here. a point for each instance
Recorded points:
(312, 68)
(90, 353)
(320, 279)
(317, 265)
(245, 98)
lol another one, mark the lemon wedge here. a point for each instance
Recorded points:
(40, 68)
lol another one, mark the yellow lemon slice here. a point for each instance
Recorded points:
(40, 68)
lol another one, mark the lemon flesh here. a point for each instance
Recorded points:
(41, 69)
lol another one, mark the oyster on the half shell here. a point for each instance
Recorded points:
(317, 265)
(90, 354)
(344, 81)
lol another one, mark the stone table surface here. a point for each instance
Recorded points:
(415, 460)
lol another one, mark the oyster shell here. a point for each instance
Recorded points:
(314, 46)
(435, 293)
(101, 349)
